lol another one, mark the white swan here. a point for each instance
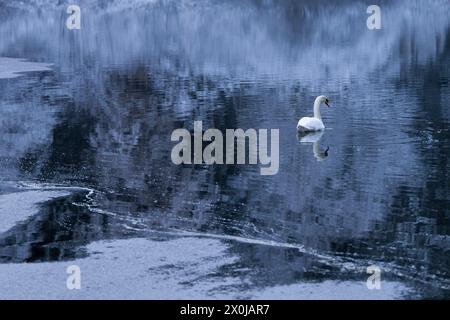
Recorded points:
(308, 124)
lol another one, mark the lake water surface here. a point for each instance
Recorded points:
(88, 129)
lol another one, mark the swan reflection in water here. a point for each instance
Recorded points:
(314, 138)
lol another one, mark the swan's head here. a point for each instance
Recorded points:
(325, 100)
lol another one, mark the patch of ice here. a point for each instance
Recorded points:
(182, 268)
(18, 206)
(126, 269)
(333, 290)
(12, 67)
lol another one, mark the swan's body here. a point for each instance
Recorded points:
(310, 124)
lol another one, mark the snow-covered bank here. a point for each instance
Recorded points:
(182, 268)
(18, 206)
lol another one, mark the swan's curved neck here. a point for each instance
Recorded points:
(317, 108)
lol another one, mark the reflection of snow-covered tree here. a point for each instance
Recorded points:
(26, 121)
